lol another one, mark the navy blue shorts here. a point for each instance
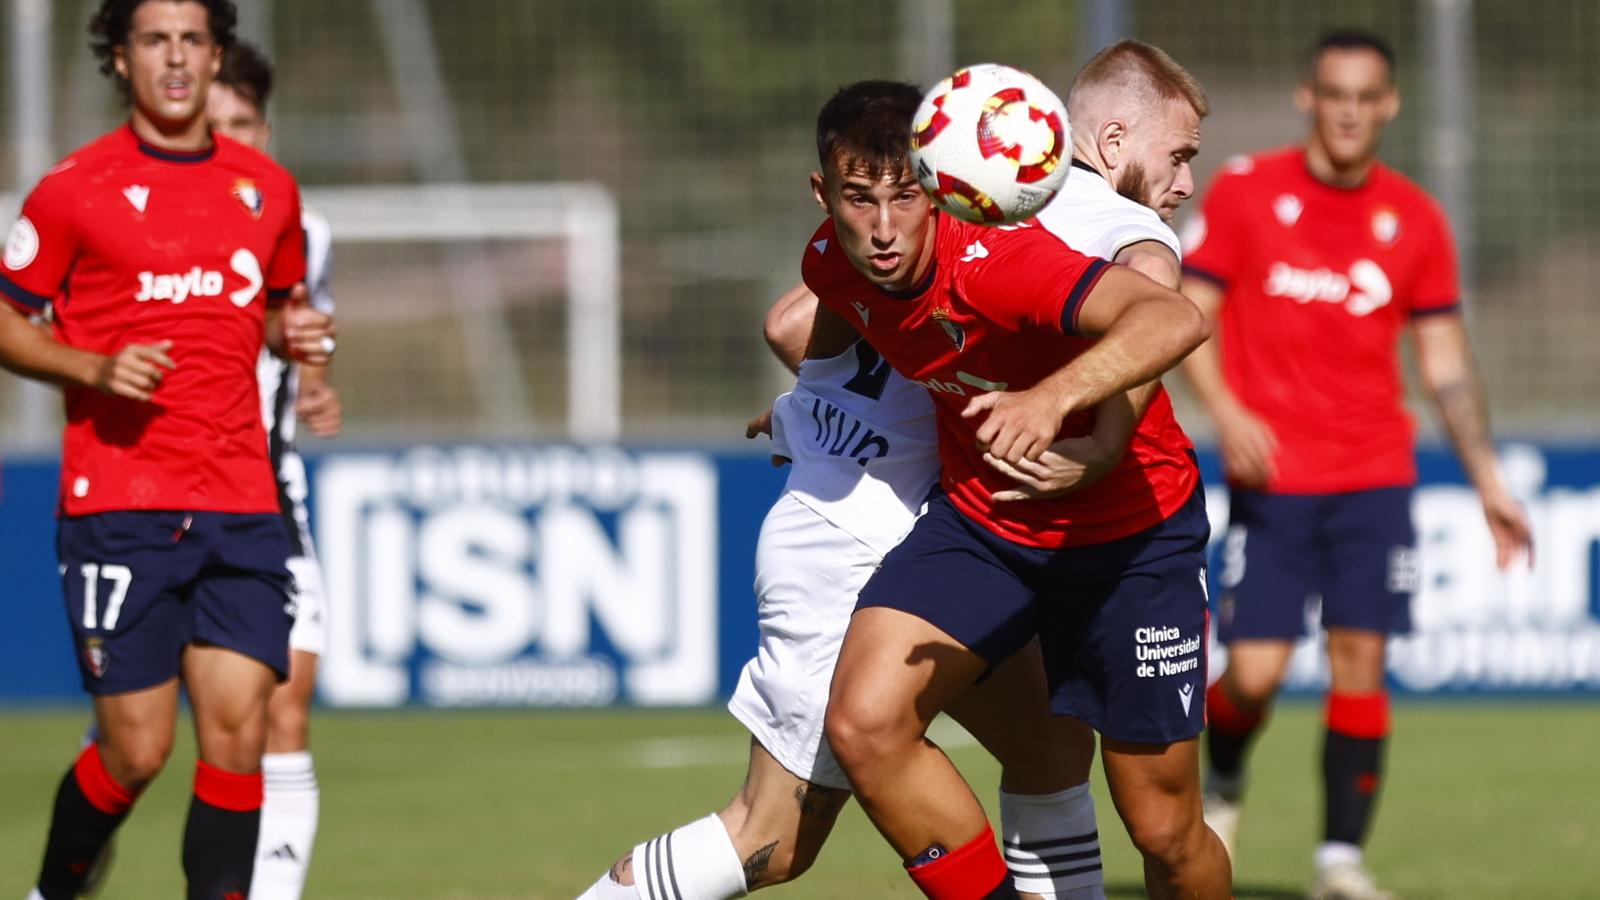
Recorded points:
(1122, 624)
(1356, 551)
(139, 585)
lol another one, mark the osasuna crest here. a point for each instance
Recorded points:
(94, 653)
(246, 192)
(1385, 226)
(952, 330)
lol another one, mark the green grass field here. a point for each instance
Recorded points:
(1484, 801)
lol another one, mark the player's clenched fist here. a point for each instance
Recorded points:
(308, 335)
(1020, 424)
(135, 371)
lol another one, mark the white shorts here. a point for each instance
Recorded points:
(808, 573)
(310, 631)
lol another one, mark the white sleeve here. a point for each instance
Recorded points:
(319, 259)
(1135, 224)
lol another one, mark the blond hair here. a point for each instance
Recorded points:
(1134, 71)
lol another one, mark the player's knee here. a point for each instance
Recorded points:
(860, 736)
(134, 761)
(288, 728)
(1162, 833)
(1252, 689)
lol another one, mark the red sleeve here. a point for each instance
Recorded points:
(1214, 236)
(1436, 289)
(1027, 278)
(40, 248)
(288, 266)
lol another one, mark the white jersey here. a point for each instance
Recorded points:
(862, 443)
(279, 383)
(1093, 219)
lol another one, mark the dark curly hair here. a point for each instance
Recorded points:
(109, 30)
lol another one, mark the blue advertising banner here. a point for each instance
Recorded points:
(560, 575)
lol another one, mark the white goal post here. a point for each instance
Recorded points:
(583, 215)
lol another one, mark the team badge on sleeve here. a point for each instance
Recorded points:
(246, 192)
(22, 244)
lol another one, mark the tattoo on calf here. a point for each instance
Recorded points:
(623, 866)
(755, 866)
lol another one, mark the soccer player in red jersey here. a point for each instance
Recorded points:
(164, 257)
(1016, 337)
(1313, 260)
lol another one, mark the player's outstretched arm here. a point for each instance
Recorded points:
(1444, 358)
(1246, 442)
(1142, 330)
(134, 371)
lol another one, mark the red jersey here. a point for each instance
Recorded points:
(1318, 282)
(137, 244)
(998, 312)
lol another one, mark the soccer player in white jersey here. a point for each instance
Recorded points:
(863, 453)
(236, 107)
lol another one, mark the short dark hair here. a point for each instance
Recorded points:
(868, 125)
(108, 29)
(247, 72)
(1351, 39)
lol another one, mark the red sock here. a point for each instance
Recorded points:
(227, 790)
(1352, 763)
(1359, 715)
(972, 871)
(99, 788)
(1224, 715)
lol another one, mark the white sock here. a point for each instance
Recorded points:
(35, 895)
(288, 826)
(695, 862)
(1334, 853)
(1051, 845)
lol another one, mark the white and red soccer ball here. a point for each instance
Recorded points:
(991, 144)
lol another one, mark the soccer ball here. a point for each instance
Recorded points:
(991, 144)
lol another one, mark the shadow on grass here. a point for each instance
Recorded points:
(1240, 891)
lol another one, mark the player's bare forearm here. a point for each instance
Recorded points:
(1203, 367)
(32, 352)
(1147, 338)
(1444, 358)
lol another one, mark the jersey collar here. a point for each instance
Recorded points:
(173, 156)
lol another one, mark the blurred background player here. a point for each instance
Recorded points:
(977, 578)
(1313, 259)
(236, 107)
(170, 545)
